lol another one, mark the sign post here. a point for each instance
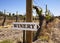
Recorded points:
(29, 19)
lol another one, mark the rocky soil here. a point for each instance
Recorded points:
(12, 34)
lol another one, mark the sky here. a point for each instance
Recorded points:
(20, 5)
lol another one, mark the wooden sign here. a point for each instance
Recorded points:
(25, 26)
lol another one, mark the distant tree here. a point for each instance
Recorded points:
(59, 17)
(1, 13)
(21, 17)
(9, 14)
(13, 14)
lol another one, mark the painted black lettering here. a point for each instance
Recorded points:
(32, 26)
(28, 26)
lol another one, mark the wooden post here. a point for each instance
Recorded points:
(17, 16)
(4, 18)
(24, 36)
(29, 19)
